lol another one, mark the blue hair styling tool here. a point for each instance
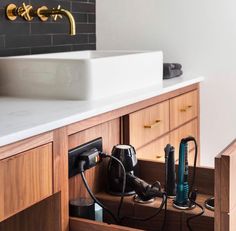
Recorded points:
(183, 199)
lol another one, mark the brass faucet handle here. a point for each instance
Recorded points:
(11, 12)
(24, 11)
(55, 16)
(41, 13)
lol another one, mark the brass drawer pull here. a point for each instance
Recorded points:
(186, 108)
(157, 122)
(158, 156)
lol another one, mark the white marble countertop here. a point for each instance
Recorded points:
(22, 118)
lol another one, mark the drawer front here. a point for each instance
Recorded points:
(154, 151)
(225, 187)
(183, 108)
(81, 224)
(148, 124)
(25, 179)
(190, 129)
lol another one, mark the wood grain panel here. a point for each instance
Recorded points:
(24, 145)
(183, 108)
(80, 224)
(25, 179)
(152, 171)
(225, 187)
(43, 216)
(154, 151)
(60, 174)
(228, 184)
(189, 129)
(110, 132)
(156, 116)
(82, 125)
(217, 193)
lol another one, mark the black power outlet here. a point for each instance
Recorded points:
(76, 152)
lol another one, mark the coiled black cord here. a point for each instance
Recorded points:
(191, 188)
(163, 203)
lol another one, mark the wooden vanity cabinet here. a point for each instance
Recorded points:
(34, 172)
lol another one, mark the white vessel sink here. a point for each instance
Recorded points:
(80, 75)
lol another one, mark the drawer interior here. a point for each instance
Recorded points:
(176, 219)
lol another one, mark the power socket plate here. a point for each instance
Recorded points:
(76, 152)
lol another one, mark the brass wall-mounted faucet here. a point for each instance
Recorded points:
(27, 12)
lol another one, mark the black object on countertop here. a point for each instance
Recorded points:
(171, 70)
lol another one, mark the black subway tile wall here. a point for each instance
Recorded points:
(20, 37)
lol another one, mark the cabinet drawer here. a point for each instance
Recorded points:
(154, 151)
(148, 124)
(25, 179)
(81, 224)
(183, 108)
(190, 129)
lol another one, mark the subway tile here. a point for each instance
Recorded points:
(84, 47)
(92, 38)
(83, 7)
(14, 28)
(27, 41)
(20, 37)
(67, 39)
(91, 18)
(40, 50)
(81, 17)
(85, 28)
(2, 41)
(50, 28)
(14, 52)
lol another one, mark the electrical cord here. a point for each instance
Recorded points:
(93, 196)
(123, 183)
(165, 211)
(191, 189)
(195, 216)
(104, 155)
(194, 166)
(119, 220)
(163, 203)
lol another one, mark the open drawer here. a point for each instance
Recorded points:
(80, 224)
(176, 219)
(225, 188)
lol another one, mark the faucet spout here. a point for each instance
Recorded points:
(43, 13)
(71, 20)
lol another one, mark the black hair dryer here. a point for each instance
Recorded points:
(134, 185)
(127, 155)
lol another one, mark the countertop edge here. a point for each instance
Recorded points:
(61, 122)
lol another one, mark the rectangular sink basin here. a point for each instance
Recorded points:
(79, 75)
